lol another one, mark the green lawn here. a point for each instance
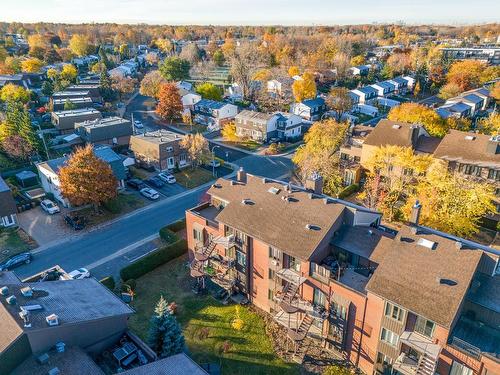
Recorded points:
(248, 144)
(250, 349)
(191, 178)
(13, 241)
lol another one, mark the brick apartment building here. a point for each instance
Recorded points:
(160, 149)
(412, 302)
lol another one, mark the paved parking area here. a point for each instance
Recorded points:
(44, 228)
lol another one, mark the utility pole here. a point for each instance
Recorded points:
(43, 140)
(133, 123)
(213, 159)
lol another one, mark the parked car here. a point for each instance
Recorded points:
(167, 177)
(150, 193)
(16, 260)
(80, 273)
(138, 124)
(214, 163)
(155, 181)
(146, 167)
(136, 184)
(75, 222)
(50, 207)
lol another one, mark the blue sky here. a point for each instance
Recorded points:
(251, 12)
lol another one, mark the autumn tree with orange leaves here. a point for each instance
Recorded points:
(86, 179)
(169, 102)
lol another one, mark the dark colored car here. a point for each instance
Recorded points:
(155, 182)
(16, 260)
(75, 222)
(147, 167)
(136, 184)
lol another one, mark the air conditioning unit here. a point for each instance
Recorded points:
(52, 320)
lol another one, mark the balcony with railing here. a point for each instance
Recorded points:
(405, 365)
(352, 277)
(207, 212)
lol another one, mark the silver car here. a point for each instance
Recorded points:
(150, 193)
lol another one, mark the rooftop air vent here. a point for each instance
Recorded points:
(448, 282)
(326, 200)
(11, 300)
(310, 195)
(4, 291)
(218, 186)
(264, 180)
(469, 137)
(32, 307)
(396, 126)
(52, 320)
(313, 227)
(27, 291)
(25, 316)
(274, 190)
(458, 245)
(426, 243)
(247, 202)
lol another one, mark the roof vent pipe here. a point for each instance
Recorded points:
(415, 213)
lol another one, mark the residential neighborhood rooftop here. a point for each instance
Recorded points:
(76, 112)
(445, 269)
(159, 136)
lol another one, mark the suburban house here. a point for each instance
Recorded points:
(384, 88)
(93, 90)
(258, 126)
(410, 82)
(65, 121)
(214, 114)
(264, 127)
(70, 94)
(360, 70)
(363, 95)
(160, 149)
(476, 156)
(467, 104)
(48, 171)
(280, 86)
(327, 270)
(109, 130)
(490, 55)
(184, 85)
(125, 69)
(401, 85)
(189, 99)
(8, 209)
(350, 153)
(75, 102)
(310, 109)
(85, 61)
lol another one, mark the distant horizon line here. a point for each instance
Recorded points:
(314, 24)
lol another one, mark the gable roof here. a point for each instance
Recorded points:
(473, 149)
(254, 116)
(178, 364)
(389, 132)
(312, 103)
(426, 295)
(304, 218)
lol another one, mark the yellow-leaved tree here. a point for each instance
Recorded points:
(451, 203)
(228, 132)
(304, 88)
(32, 65)
(415, 113)
(197, 148)
(86, 179)
(79, 44)
(319, 154)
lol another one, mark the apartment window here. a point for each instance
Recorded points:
(382, 358)
(408, 171)
(241, 259)
(319, 298)
(459, 369)
(274, 253)
(494, 174)
(197, 235)
(229, 253)
(470, 169)
(272, 273)
(338, 310)
(317, 270)
(424, 326)
(393, 311)
(389, 337)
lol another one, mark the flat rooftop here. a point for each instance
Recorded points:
(159, 136)
(103, 122)
(76, 112)
(73, 100)
(484, 337)
(73, 301)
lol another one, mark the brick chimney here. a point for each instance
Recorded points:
(415, 213)
(241, 175)
(314, 183)
(413, 134)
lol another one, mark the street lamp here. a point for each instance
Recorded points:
(213, 159)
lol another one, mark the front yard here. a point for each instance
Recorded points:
(207, 324)
(193, 129)
(14, 241)
(191, 178)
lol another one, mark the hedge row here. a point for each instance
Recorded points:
(177, 226)
(348, 191)
(168, 236)
(153, 260)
